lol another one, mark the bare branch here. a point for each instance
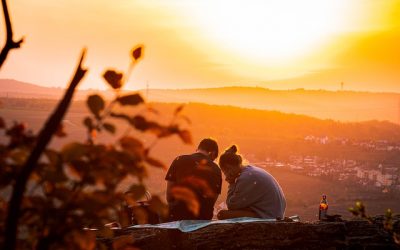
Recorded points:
(10, 43)
(44, 138)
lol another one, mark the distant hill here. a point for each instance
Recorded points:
(13, 88)
(336, 105)
(17, 89)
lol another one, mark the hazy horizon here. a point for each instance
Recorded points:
(216, 87)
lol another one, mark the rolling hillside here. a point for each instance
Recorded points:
(336, 105)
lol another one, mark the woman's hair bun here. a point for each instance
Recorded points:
(231, 150)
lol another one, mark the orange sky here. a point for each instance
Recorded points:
(284, 44)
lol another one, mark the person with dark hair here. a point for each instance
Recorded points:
(252, 192)
(194, 183)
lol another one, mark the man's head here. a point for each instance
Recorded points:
(210, 147)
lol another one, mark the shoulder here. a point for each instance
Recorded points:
(216, 168)
(252, 172)
(183, 158)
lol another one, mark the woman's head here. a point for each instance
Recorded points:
(231, 162)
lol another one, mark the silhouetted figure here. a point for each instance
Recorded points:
(252, 192)
(194, 183)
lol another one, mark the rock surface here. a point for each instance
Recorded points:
(352, 234)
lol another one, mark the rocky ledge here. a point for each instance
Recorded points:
(350, 234)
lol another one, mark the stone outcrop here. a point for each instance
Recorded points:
(351, 234)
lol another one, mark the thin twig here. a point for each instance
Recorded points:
(44, 138)
(10, 44)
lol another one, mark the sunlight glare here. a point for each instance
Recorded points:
(270, 31)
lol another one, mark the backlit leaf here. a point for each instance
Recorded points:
(88, 122)
(96, 104)
(186, 136)
(121, 116)
(179, 109)
(136, 191)
(60, 132)
(131, 144)
(73, 173)
(53, 157)
(200, 184)
(140, 123)
(155, 163)
(157, 206)
(73, 151)
(109, 127)
(19, 155)
(113, 78)
(133, 99)
(137, 52)
(187, 196)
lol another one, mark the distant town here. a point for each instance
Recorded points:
(382, 176)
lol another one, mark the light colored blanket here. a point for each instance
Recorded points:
(192, 225)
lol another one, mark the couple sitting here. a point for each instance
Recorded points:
(194, 183)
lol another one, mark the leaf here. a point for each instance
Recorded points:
(19, 155)
(136, 191)
(73, 173)
(187, 196)
(109, 127)
(186, 136)
(96, 104)
(157, 206)
(137, 52)
(130, 143)
(354, 211)
(73, 151)
(60, 132)
(2, 123)
(133, 99)
(140, 123)
(53, 157)
(120, 116)
(88, 122)
(152, 110)
(155, 163)
(179, 109)
(113, 78)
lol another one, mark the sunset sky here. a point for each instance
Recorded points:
(282, 44)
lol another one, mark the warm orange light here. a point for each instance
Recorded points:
(271, 32)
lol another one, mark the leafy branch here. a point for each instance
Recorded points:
(359, 210)
(10, 43)
(44, 137)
